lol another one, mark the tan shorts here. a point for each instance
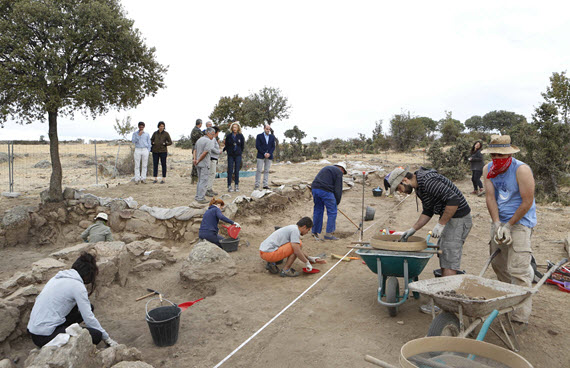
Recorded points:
(282, 252)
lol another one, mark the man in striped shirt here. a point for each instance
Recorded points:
(441, 197)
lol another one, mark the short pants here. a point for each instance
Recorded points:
(282, 252)
(452, 240)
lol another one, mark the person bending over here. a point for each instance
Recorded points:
(286, 243)
(65, 301)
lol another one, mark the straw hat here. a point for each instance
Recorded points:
(396, 177)
(501, 144)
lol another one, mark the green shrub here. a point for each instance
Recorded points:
(453, 163)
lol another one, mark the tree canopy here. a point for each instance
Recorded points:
(265, 106)
(227, 110)
(558, 94)
(60, 56)
(502, 120)
(475, 123)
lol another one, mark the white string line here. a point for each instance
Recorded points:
(280, 313)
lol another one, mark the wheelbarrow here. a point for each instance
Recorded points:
(489, 299)
(389, 265)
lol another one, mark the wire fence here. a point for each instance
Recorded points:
(26, 166)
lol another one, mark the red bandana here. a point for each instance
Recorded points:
(500, 165)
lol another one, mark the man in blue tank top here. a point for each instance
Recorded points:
(509, 187)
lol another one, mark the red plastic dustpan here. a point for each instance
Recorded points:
(185, 305)
(314, 270)
(233, 231)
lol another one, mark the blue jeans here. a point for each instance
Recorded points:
(234, 163)
(211, 236)
(323, 199)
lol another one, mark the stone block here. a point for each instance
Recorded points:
(150, 265)
(71, 253)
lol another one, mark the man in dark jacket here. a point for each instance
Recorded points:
(265, 144)
(194, 136)
(441, 197)
(327, 192)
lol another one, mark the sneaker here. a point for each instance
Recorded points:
(330, 237)
(214, 193)
(475, 192)
(272, 268)
(289, 273)
(237, 188)
(136, 182)
(256, 187)
(266, 187)
(202, 201)
(162, 182)
(209, 194)
(230, 188)
(316, 236)
(481, 192)
(155, 181)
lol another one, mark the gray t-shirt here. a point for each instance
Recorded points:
(204, 144)
(287, 234)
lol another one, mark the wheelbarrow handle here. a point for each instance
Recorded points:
(549, 273)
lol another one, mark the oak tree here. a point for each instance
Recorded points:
(62, 56)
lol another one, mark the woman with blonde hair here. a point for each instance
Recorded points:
(234, 145)
(209, 226)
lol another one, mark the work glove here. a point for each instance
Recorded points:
(110, 342)
(503, 234)
(309, 266)
(312, 259)
(237, 225)
(404, 238)
(437, 230)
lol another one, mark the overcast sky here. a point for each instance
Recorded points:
(342, 64)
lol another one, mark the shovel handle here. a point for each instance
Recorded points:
(348, 218)
(146, 296)
(378, 362)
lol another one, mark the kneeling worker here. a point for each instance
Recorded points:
(286, 243)
(99, 231)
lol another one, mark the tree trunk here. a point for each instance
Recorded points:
(55, 191)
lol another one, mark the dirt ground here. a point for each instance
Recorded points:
(336, 322)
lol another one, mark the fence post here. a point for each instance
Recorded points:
(117, 158)
(96, 164)
(11, 167)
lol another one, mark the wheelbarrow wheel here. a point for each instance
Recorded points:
(392, 288)
(444, 324)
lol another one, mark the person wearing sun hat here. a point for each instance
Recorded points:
(441, 197)
(99, 231)
(509, 188)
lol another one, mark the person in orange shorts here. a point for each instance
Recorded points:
(286, 243)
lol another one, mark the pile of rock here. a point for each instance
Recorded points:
(116, 260)
(79, 352)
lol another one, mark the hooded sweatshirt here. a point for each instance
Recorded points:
(61, 293)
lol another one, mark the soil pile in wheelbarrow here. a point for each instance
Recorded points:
(472, 290)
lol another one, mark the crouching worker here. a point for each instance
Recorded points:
(286, 243)
(209, 226)
(65, 301)
(99, 231)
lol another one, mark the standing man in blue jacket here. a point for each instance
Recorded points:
(265, 144)
(327, 192)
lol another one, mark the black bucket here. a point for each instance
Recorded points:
(164, 323)
(437, 273)
(229, 244)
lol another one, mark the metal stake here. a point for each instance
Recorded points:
(11, 167)
(362, 222)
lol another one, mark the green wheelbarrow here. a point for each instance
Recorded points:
(389, 265)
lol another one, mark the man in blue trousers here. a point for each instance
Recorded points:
(327, 192)
(265, 144)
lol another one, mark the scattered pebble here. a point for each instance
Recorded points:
(226, 311)
(553, 333)
(400, 322)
